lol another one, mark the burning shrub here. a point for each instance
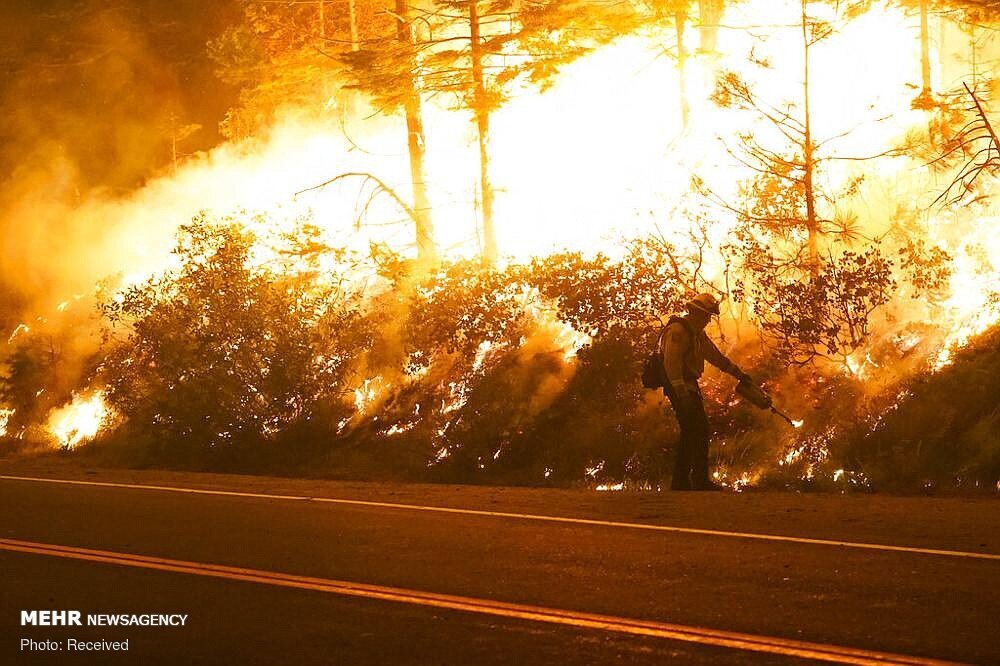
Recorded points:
(533, 368)
(938, 430)
(223, 350)
(526, 373)
(46, 363)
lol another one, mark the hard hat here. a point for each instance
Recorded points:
(704, 302)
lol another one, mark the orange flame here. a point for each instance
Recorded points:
(79, 421)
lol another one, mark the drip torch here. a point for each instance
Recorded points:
(758, 398)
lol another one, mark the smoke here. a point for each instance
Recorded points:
(92, 96)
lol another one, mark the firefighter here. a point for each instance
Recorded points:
(685, 347)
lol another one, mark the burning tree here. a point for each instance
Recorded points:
(286, 54)
(385, 66)
(784, 198)
(807, 286)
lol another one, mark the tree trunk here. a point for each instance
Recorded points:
(925, 99)
(925, 49)
(812, 226)
(973, 54)
(426, 251)
(709, 16)
(352, 10)
(680, 19)
(482, 113)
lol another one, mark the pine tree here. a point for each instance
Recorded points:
(807, 297)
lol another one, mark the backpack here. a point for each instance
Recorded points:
(654, 375)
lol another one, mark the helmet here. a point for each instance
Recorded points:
(704, 302)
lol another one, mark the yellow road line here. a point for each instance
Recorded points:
(677, 632)
(590, 522)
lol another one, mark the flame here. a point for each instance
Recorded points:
(398, 428)
(457, 397)
(481, 353)
(79, 421)
(20, 330)
(366, 395)
(739, 482)
(5, 415)
(973, 305)
(810, 452)
(442, 454)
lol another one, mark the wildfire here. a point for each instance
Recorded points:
(603, 152)
(79, 421)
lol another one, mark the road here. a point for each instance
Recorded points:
(275, 571)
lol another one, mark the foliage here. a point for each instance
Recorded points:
(250, 352)
(978, 145)
(221, 350)
(811, 271)
(30, 370)
(287, 54)
(926, 269)
(825, 311)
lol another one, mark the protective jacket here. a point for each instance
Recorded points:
(685, 352)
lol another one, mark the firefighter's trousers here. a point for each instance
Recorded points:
(691, 462)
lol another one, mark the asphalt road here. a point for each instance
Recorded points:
(387, 579)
